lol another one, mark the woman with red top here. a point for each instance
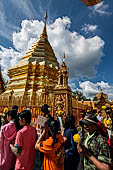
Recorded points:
(25, 141)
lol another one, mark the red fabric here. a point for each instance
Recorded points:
(103, 128)
(26, 138)
(109, 142)
(7, 158)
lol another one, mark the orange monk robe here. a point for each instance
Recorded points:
(91, 2)
(53, 156)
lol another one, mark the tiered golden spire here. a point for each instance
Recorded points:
(44, 32)
(63, 62)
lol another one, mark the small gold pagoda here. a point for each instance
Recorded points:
(62, 91)
(102, 100)
(33, 78)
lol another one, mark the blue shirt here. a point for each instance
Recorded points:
(70, 145)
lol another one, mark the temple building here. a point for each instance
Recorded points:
(102, 100)
(37, 78)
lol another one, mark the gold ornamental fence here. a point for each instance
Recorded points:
(35, 111)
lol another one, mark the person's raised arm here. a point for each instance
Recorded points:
(40, 139)
(98, 164)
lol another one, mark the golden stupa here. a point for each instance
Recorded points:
(37, 79)
(33, 78)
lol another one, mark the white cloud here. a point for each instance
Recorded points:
(30, 31)
(90, 89)
(101, 9)
(87, 28)
(9, 57)
(82, 54)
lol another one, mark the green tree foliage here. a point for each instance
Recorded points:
(95, 98)
(80, 96)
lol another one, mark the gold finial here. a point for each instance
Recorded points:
(46, 16)
(101, 90)
(64, 57)
(44, 33)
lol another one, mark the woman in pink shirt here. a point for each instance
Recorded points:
(7, 135)
(25, 141)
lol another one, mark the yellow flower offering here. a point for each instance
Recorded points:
(104, 107)
(5, 110)
(0, 114)
(76, 138)
(81, 113)
(109, 122)
(59, 113)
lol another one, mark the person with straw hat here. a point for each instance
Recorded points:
(94, 146)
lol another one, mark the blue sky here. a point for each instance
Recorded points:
(84, 33)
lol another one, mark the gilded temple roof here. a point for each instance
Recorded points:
(63, 67)
(42, 50)
(101, 95)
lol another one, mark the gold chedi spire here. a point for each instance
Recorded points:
(42, 51)
(64, 57)
(44, 32)
(63, 62)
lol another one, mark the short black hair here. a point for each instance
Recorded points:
(15, 107)
(108, 108)
(54, 129)
(84, 113)
(99, 112)
(26, 114)
(12, 113)
(45, 109)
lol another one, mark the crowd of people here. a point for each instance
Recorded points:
(60, 145)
